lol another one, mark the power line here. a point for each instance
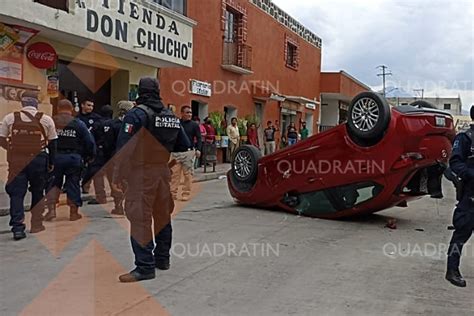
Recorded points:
(384, 74)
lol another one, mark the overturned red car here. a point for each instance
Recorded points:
(382, 157)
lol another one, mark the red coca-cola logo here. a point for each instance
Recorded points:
(42, 55)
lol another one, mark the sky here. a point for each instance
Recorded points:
(426, 44)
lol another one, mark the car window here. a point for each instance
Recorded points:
(336, 199)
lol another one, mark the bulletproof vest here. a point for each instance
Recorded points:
(164, 127)
(68, 134)
(27, 138)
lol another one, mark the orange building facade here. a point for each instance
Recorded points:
(250, 58)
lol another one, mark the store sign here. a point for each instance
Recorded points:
(311, 106)
(139, 27)
(201, 88)
(42, 55)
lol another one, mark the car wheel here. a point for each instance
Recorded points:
(423, 104)
(245, 163)
(369, 116)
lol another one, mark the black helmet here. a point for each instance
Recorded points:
(472, 112)
(106, 111)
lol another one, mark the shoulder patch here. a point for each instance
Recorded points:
(128, 128)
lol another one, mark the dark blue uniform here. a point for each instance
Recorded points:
(75, 142)
(462, 163)
(146, 138)
(91, 120)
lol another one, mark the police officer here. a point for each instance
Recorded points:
(148, 134)
(75, 142)
(111, 129)
(30, 139)
(90, 118)
(97, 167)
(462, 164)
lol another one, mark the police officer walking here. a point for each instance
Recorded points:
(148, 134)
(75, 142)
(30, 139)
(90, 118)
(97, 167)
(111, 129)
(462, 164)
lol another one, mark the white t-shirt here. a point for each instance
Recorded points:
(46, 121)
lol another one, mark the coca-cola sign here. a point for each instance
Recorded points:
(42, 55)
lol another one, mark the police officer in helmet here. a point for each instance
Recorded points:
(149, 133)
(75, 142)
(462, 164)
(30, 139)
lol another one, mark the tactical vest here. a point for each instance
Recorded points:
(27, 139)
(470, 134)
(164, 126)
(68, 135)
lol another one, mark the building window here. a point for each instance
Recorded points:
(179, 6)
(231, 26)
(447, 106)
(56, 4)
(292, 55)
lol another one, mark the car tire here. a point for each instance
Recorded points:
(245, 164)
(423, 104)
(369, 117)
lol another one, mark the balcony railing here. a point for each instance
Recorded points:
(237, 57)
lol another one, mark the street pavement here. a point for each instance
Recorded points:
(232, 260)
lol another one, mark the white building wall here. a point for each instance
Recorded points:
(456, 103)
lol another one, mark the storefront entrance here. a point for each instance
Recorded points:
(78, 82)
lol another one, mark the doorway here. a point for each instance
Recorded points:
(199, 109)
(78, 82)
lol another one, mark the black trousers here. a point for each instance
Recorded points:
(148, 206)
(463, 221)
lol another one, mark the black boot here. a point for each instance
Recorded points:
(51, 213)
(74, 213)
(455, 277)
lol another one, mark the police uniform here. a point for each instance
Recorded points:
(111, 129)
(96, 169)
(29, 137)
(75, 143)
(462, 164)
(148, 134)
(91, 120)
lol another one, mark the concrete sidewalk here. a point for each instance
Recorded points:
(199, 176)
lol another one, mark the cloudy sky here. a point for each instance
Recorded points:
(425, 43)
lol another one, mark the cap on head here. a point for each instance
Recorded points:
(124, 106)
(29, 98)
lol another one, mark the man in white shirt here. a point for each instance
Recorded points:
(30, 138)
(234, 137)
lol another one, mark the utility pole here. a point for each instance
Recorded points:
(384, 74)
(422, 92)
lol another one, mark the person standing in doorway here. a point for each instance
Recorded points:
(252, 135)
(269, 134)
(304, 132)
(234, 137)
(292, 134)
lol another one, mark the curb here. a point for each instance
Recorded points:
(197, 178)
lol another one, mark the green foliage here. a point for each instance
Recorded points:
(242, 126)
(216, 122)
(252, 119)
